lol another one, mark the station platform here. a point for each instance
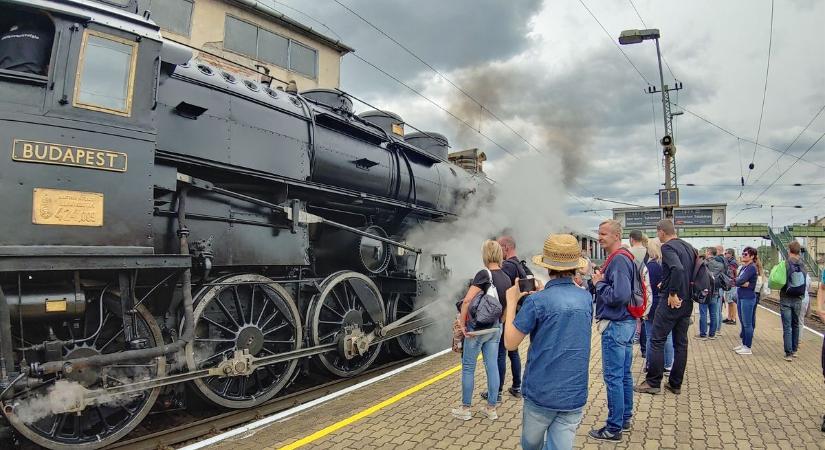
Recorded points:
(727, 401)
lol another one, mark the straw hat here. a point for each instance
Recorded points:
(561, 252)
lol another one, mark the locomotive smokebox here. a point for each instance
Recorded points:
(431, 142)
(339, 249)
(392, 123)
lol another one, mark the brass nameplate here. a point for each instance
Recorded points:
(56, 305)
(57, 207)
(65, 155)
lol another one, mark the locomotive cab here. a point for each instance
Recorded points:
(78, 82)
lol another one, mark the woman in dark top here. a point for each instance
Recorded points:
(654, 271)
(746, 284)
(484, 341)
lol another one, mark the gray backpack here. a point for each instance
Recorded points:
(485, 308)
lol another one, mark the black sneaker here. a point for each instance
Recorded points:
(603, 435)
(484, 396)
(823, 424)
(626, 426)
(515, 392)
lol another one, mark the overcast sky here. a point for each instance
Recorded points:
(552, 74)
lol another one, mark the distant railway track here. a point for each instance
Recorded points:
(195, 430)
(812, 320)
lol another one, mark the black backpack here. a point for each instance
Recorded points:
(522, 271)
(702, 282)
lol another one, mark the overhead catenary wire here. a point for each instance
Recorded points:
(439, 73)
(433, 102)
(764, 95)
(785, 152)
(663, 56)
(780, 176)
(731, 133)
(629, 61)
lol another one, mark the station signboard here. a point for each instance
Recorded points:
(688, 216)
(638, 218)
(699, 216)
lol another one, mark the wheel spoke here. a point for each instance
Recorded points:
(274, 315)
(334, 311)
(326, 336)
(338, 300)
(252, 303)
(225, 312)
(213, 340)
(218, 325)
(238, 305)
(211, 357)
(111, 340)
(263, 308)
(275, 328)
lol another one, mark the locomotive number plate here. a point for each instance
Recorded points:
(57, 207)
(65, 155)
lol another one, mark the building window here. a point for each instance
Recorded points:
(173, 15)
(247, 39)
(106, 74)
(302, 59)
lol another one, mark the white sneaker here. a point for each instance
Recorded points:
(462, 413)
(744, 351)
(738, 347)
(491, 413)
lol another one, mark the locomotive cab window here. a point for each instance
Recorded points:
(106, 73)
(25, 42)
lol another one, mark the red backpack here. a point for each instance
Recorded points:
(642, 296)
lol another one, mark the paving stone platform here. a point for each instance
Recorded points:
(727, 401)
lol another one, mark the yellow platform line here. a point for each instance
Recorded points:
(372, 409)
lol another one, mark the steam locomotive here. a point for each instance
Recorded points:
(170, 222)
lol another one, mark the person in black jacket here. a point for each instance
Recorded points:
(678, 259)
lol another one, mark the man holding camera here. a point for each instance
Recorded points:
(558, 319)
(614, 290)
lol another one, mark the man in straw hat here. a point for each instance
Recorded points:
(558, 319)
(614, 292)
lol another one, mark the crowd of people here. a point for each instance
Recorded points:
(644, 293)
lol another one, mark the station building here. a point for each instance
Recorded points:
(251, 34)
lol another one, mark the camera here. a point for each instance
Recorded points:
(527, 284)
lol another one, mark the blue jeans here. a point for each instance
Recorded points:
(487, 345)
(720, 305)
(747, 311)
(515, 366)
(668, 345)
(548, 429)
(711, 307)
(617, 357)
(789, 310)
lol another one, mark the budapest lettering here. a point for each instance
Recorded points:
(46, 153)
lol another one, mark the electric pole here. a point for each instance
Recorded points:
(669, 196)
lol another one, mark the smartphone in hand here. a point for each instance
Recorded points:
(527, 284)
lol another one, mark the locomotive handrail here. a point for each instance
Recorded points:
(292, 212)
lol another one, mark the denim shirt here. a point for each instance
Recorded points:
(558, 320)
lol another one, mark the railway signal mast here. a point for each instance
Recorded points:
(669, 196)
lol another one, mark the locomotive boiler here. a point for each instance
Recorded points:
(170, 222)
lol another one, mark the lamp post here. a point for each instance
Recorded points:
(669, 196)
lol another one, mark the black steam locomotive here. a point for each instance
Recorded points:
(169, 222)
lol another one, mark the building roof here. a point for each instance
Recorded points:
(293, 24)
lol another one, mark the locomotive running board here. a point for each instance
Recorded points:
(292, 212)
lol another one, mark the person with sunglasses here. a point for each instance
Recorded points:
(745, 292)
